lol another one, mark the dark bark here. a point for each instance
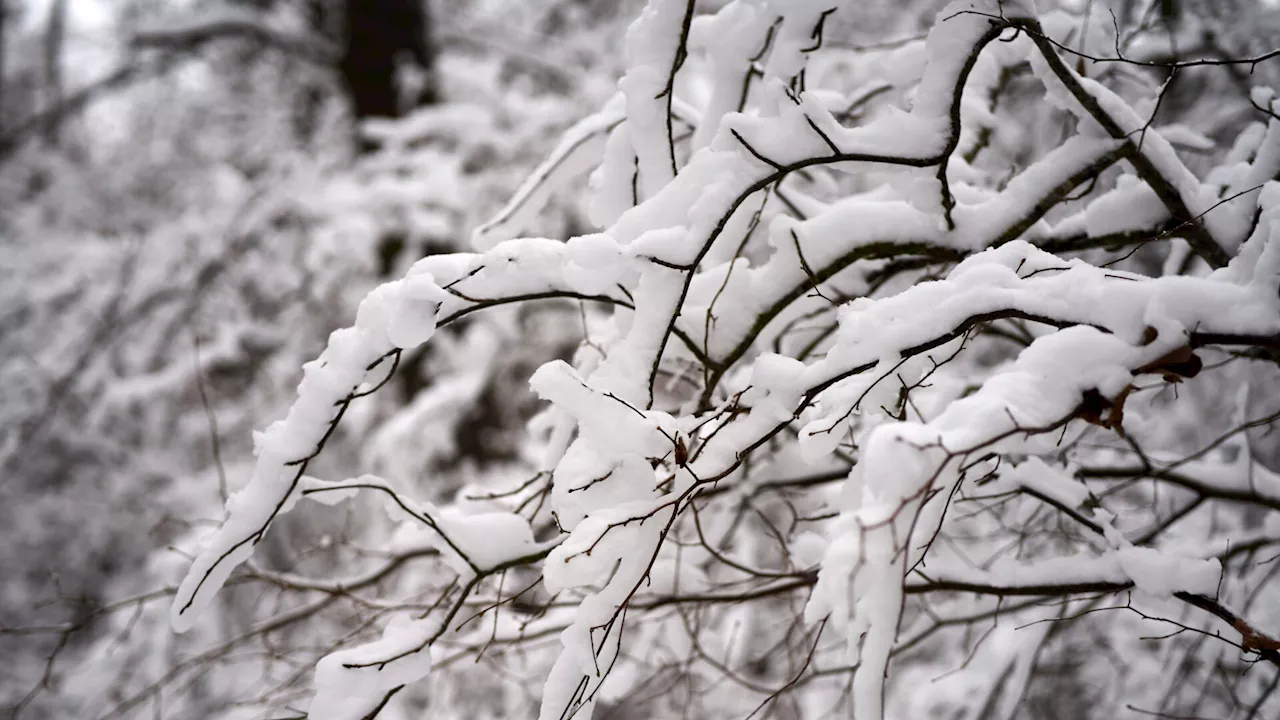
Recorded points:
(379, 34)
(3, 48)
(53, 41)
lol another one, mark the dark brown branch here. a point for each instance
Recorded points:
(1196, 234)
(312, 48)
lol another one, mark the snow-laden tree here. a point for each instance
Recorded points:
(930, 379)
(846, 389)
(167, 269)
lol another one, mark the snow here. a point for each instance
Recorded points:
(351, 683)
(1160, 575)
(1035, 474)
(1132, 205)
(729, 39)
(653, 44)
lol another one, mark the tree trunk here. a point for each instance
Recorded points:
(53, 41)
(379, 36)
(3, 48)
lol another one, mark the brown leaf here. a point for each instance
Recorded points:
(1092, 405)
(1115, 421)
(1179, 361)
(1098, 410)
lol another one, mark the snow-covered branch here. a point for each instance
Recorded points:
(886, 309)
